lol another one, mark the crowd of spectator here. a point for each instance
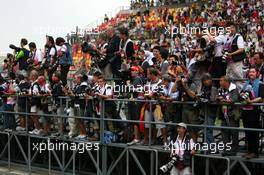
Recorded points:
(146, 55)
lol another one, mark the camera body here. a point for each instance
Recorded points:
(202, 98)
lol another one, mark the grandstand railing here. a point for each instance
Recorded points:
(102, 167)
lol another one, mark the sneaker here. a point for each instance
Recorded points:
(135, 141)
(8, 130)
(36, 132)
(33, 132)
(19, 128)
(39, 132)
(80, 137)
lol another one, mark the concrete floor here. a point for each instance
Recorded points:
(22, 170)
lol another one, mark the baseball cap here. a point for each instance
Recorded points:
(182, 125)
(134, 68)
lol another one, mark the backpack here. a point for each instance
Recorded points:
(66, 59)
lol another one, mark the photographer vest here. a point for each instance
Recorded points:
(234, 47)
(187, 153)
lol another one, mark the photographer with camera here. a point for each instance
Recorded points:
(58, 90)
(64, 54)
(236, 55)
(49, 62)
(112, 48)
(251, 93)
(161, 56)
(204, 98)
(176, 66)
(134, 107)
(35, 57)
(35, 102)
(79, 93)
(218, 63)
(126, 46)
(105, 91)
(44, 93)
(22, 101)
(181, 151)
(152, 91)
(259, 62)
(187, 92)
(228, 94)
(172, 112)
(22, 54)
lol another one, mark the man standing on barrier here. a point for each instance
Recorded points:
(105, 91)
(57, 90)
(204, 98)
(228, 94)
(79, 104)
(251, 93)
(181, 151)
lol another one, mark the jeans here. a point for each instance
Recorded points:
(209, 131)
(9, 119)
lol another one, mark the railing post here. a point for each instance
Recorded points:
(206, 122)
(150, 125)
(104, 148)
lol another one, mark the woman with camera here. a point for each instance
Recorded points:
(182, 148)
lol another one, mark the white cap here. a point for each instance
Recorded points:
(182, 125)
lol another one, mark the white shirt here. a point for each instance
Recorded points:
(52, 51)
(34, 90)
(106, 90)
(220, 41)
(45, 88)
(168, 91)
(178, 147)
(152, 87)
(38, 56)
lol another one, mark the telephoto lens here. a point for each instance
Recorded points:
(167, 167)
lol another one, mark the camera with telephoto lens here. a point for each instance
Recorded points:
(12, 46)
(202, 98)
(247, 93)
(167, 167)
(159, 92)
(88, 48)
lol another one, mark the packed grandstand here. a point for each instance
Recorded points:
(159, 74)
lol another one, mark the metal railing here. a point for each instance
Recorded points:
(102, 168)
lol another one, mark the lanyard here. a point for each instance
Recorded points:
(179, 146)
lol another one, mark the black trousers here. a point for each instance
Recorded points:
(251, 120)
(64, 72)
(231, 135)
(218, 69)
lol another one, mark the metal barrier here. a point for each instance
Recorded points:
(100, 162)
